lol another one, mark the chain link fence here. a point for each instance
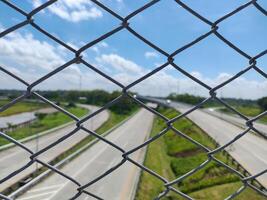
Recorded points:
(170, 61)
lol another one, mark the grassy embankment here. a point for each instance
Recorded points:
(47, 122)
(172, 156)
(250, 111)
(20, 107)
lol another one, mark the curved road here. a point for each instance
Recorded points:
(119, 185)
(236, 120)
(250, 150)
(14, 158)
(24, 117)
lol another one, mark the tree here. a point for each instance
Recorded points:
(124, 105)
(262, 102)
(186, 98)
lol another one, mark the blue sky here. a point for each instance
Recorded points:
(126, 58)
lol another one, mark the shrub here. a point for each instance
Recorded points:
(40, 116)
(124, 105)
(181, 166)
(262, 102)
(71, 105)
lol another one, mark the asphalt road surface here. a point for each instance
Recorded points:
(119, 185)
(236, 120)
(14, 158)
(250, 150)
(24, 117)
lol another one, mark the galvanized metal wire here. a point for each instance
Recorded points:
(125, 24)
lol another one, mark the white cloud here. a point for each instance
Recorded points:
(30, 59)
(196, 74)
(26, 51)
(73, 10)
(163, 82)
(103, 44)
(120, 64)
(36, 3)
(96, 48)
(33, 58)
(151, 54)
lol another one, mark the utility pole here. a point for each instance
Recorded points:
(80, 82)
(178, 87)
(36, 141)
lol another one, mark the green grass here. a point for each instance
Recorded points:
(20, 107)
(172, 156)
(48, 122)
(250, 111)
(112, 121)
(149, 186)
(222, 191)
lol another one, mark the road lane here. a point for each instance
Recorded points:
(119, 184)
(23, 117)
(250, 150)
(14, 158)
(236, 120)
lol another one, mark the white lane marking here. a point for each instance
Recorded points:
(113, 163)
(86, 198)
(85, 166)
(44, 142)
(44, 188)
(125, 145)
(37, 195)
(11, 155)
(100, 189)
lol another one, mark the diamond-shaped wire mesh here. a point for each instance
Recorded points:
(170, 61)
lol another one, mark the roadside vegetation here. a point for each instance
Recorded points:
(113, 120)
(250, 108)
(192, 99)
(124, 107)
(176, 156)
(44, 122)
(20, 107)
(249, 111)
(92, 97)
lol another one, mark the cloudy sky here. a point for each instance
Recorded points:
(125, 58)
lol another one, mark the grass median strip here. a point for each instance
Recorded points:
(216, 192)
(113, 120)
(172, 156)
(44, 123)
(250, 111)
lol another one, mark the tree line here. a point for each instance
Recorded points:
(125, 105)
(93, 97)
(192, 99)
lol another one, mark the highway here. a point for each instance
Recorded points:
(24, 117)
(119, 185)
(236, 120)
(250, 150)
(14, 158)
